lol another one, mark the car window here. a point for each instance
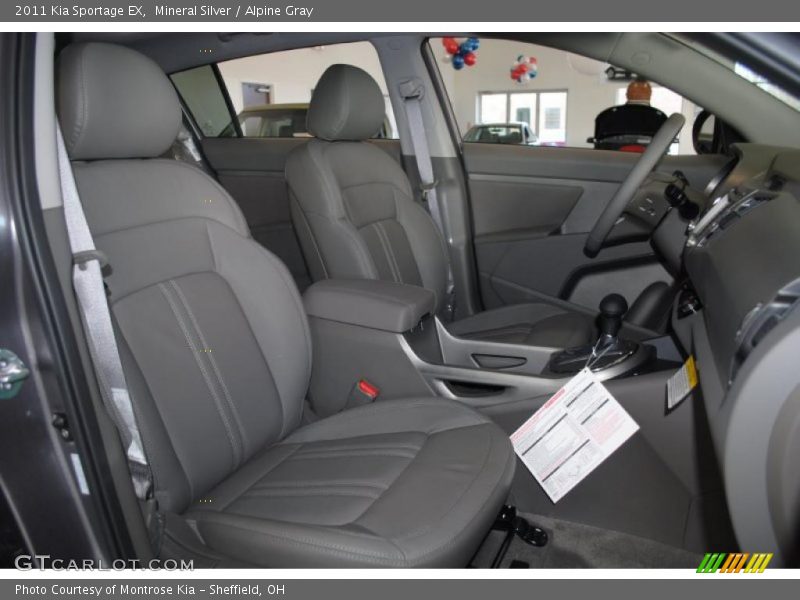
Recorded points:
(269, 93)
(201, 93)
(563, 98)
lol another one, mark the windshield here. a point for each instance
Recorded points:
(762, 82)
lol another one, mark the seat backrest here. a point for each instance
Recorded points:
(211, 328)
(628, 119)
(352, 205)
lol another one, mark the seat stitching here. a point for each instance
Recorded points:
(352, 454)
(364, 258)
(369, 556)
(261, 476)
(455, 537)
(329, 548)
(299, 493)
(320, 483)
(423, 530)
(301, 313)
(407, 405)
(312, 237)
(386, 250)
(399, 212)
(389, 246)
(217, 402)
(278, 268)
(214, 366)
(383, 297)
(372, 557)
(371, 446)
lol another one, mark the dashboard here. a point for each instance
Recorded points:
(739, 315)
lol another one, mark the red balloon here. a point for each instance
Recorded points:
(446, 41)
(470, 59)
(451, 47)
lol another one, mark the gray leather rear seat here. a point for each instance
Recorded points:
(218, 357)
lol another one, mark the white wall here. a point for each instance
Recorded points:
(294, 74)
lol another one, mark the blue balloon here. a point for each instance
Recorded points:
(458, 62)
(464, 48)
(474, 42)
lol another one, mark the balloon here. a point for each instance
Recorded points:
(524, 69)
(460, 54)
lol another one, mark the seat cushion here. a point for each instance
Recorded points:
(400, 483)
(534, 324)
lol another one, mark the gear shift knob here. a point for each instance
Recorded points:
(612, 308)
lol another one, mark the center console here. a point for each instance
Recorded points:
(383, 337)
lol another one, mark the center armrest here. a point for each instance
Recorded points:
(384, 305)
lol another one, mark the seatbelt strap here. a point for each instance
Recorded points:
(87, 280)
(412, 92)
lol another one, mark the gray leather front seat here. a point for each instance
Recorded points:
(356, 216)
(218, 357)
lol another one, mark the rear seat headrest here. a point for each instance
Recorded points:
(114, 102)
(347, 104)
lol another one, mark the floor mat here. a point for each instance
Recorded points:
(578, 546)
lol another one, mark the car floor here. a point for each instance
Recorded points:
(577, 546)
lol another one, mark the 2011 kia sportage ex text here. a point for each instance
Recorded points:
(324, 347)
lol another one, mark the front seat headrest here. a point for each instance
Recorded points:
(114, 102)
(347, 104)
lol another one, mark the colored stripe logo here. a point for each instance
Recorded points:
(738, 562)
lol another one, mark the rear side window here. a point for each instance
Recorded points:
(204, 99)
(267, 95)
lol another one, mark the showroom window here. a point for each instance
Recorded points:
(545, 113)
(557, 95)
(269, 93)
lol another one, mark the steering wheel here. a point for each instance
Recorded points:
(657, 148)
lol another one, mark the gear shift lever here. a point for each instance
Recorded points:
(608, 351)
(612, 308)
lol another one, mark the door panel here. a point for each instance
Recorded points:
(532, 208)
(252, 170)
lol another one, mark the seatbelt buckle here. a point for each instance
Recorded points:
(363, 392)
